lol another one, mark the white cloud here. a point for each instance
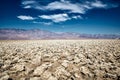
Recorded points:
(47, 23)
(74, 8)
(22, 17)
(64, 5)
(61, 5)
(98, 4)
(56, 17)
(32, 4)
(44, 23)
(28, 2)
(27, 7)
(77, 17)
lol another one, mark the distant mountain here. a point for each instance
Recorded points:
(22, 34)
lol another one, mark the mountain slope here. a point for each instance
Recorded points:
(16, 34)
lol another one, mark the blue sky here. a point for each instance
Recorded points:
(82, 16)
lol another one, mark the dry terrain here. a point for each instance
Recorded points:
(60, 60)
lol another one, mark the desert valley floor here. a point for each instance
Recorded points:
(60, 60)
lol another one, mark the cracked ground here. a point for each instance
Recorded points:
(60, 60)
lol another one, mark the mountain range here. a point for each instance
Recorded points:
(23, 34)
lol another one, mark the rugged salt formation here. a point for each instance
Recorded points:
(60, 60)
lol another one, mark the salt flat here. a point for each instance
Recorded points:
(60, 59)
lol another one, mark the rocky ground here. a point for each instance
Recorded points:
(60, 60)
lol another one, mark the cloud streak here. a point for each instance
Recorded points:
(56, 17)
(72, 8)
(98, 4)
(44, 23)
(66, 6)
(23, 17)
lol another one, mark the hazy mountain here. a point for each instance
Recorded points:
(9, 34)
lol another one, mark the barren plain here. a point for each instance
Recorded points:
(60, 60)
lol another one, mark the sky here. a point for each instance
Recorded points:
(81, 16)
